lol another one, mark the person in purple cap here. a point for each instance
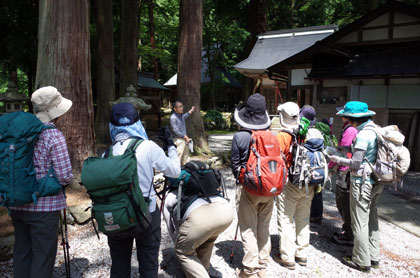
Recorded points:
(317, 207)
(125, 126)
(364, 191)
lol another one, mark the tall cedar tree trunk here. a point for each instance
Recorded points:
(151, 7)
(256, 24)
(189, 67)
(105, 69)
(129, 42)
(64, 62)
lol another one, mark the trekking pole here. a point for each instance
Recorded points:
(233, 245)
(65, 243)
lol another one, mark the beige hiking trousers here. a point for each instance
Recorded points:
(254, 215)
(182, 150)
(197, 235)
(293, 211)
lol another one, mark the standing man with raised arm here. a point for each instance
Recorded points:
(179, 130)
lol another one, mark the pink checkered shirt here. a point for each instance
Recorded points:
(51, 149)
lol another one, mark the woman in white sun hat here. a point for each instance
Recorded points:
(36, 226)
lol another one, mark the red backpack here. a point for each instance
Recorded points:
(266, 171)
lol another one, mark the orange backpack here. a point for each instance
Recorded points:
(266, 171)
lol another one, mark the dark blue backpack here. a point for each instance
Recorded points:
(315, 166)
(19, 132)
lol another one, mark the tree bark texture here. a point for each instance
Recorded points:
(256, 24)
(64, 62)
(189, 67)
(151, 7)
(129, 42)
(105, 69)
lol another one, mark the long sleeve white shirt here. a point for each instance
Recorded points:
(150, 157)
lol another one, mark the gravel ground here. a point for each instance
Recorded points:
(400, 251)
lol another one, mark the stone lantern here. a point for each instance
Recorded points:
(131, 97)
(12, 99)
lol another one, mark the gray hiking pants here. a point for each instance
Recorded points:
(342, 199)
(364, 198)
(35, 243)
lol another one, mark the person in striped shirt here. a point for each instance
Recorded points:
(36, 226)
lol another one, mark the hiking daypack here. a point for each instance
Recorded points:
(393, 159)
(113, 185)
(19, 132)
(329, 139)
(266, 170)
(197, 180)
(309, 165)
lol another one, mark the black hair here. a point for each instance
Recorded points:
(174, 104)
(359, 121)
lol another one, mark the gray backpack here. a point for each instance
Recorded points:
(393, 159)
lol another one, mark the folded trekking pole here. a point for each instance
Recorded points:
(234, 243)
(65, 243)
(65, 240)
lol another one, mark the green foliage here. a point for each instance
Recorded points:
(166, 19)
(214, 120)
(18, 43)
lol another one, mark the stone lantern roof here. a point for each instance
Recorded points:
(131, 97)
(12, 94)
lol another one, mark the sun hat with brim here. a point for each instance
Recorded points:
(48, 104)
(356, 109)
(252, 114)
(289, 115)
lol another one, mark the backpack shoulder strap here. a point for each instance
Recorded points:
(132, 146)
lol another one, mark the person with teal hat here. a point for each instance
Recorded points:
(364, 192)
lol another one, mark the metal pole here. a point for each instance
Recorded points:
(234, 243)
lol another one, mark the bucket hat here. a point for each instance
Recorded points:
(356, 109)
(252, 114)
(289, 115)
(49, 104)
(123, 114)
(309, 113)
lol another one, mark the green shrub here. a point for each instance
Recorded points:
(214, 120)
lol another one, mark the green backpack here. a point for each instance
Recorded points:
(329, 139)
(19, 132)
(113, 185)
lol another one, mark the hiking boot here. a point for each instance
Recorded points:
(342, 240)
(288, 265)
(374, 264)
(348, 261)
(301, 261)
(262, 273)
(240, 273)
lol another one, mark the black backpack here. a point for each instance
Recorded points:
(197, 180)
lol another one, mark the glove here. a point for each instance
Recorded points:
(167, 138)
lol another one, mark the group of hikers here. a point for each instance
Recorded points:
(282, 161)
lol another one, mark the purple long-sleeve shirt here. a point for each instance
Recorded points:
(347, 136)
